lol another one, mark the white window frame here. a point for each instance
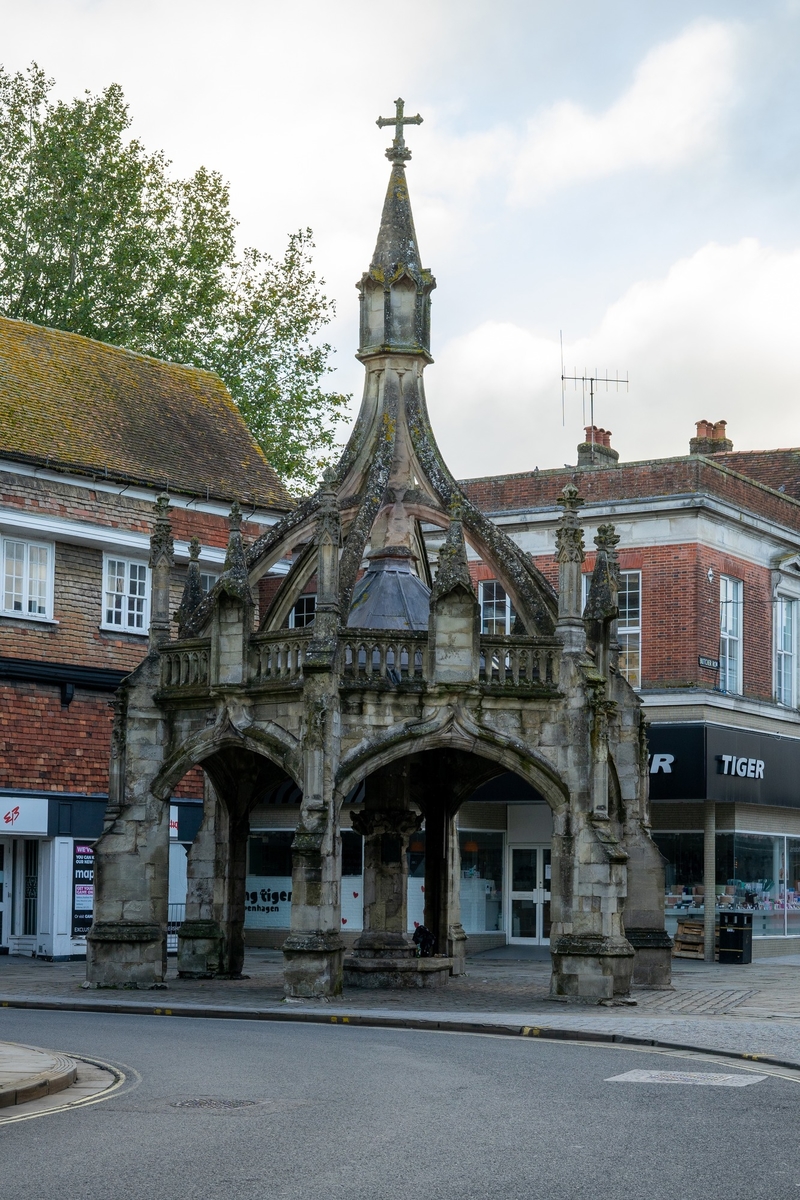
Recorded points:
(628, 630)
(49, 579)
(786, 656)
(509, 612)
(112, 627)
(292, 613)
(731, 612)
(211, 578)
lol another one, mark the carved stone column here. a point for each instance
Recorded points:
(126, 945)
(200, 936)
(314, 950)
(570, 557)
(644, 904)
(443, 884)
(162, 561)
(383, 956)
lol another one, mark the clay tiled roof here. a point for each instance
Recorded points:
(95, 409)
(778, 469)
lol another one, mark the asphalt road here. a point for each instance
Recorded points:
(345, 1113)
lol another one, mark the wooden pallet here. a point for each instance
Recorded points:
(689, 941)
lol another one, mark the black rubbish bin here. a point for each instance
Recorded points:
(736, 937)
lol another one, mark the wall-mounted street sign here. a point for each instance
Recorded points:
(711, 664)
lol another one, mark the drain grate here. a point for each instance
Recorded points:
(205, 1102)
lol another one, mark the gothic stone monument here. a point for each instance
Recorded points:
(394, 686)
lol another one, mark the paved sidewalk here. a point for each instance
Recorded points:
(751, 1010)
(27, 1073)
(513, 982)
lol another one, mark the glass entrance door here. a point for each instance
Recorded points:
(528, 921)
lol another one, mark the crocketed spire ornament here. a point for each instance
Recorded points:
(453, 569)
(192, 590)
(601, 604)
(569, 534)
(234, 577)
(161, 544)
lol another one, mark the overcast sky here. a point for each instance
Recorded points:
(626, 172)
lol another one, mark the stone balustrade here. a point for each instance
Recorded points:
(185, 664)
(519, 661)
(278, 657)
(369, 656)
(366, 657)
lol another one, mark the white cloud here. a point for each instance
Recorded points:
(715, 338)
(670, 115)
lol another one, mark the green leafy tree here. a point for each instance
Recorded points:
(97, 237)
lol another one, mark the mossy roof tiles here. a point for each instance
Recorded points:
(75, 403)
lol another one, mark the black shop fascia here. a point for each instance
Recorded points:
(716, 762)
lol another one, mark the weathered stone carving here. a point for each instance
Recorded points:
(192, 596)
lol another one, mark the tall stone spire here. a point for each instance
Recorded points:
(392, 482)
(397, 238)
(395, 291)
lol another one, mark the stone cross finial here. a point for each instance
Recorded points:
(398, 151)
(235, 518)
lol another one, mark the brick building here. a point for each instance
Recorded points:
(710, 559)
(89, 436)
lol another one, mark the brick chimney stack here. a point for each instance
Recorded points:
(711, 438)
(596, 450)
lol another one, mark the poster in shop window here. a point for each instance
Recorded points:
(82, 888)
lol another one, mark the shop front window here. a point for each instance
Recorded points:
(793, 887)
(759, 881)
(481, 881)
(683, 874)
(268, 886)
(755, 872)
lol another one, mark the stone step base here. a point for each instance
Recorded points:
(396, 972)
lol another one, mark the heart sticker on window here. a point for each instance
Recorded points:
(355, 895)
(344, 920)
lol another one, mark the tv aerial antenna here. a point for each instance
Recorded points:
(587, 380)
